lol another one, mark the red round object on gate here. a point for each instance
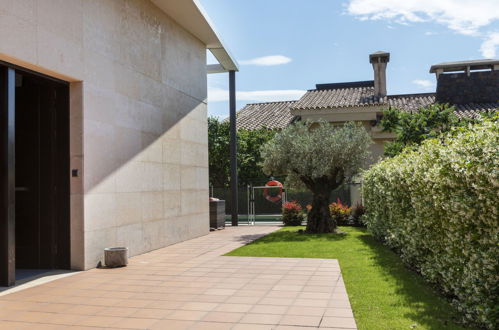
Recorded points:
(273, 183)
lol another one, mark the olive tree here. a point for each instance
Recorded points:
(320, 157)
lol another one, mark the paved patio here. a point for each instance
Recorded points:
(190, 286)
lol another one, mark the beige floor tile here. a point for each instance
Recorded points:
(212, 326)
(302, 310)
(301, 320)
(211, 298)
(8, 325)
(261, 318)
(282, 294)
(314, 295)
(39, 326)
(223, 317)
(190, 286)
(98, 321)
(117, 311)
(165, 304)
(234, 308)
(28, 316)
(134, 323)
(49, 308)
(220, 292)
(199, 306)
(64, 319)
(252, 326)
(284, 287)
(269, 309)
(186, 315)
(83, 310)
(277, 301)
(152, 313)
(172, 325)
(339, 304)
(339, 312)
(251, 293)
(338, 322)
(242, 300)
(311, 302)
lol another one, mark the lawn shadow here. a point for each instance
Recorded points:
(413, 288)
(289, 236)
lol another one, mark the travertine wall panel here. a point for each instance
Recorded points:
(138, 131)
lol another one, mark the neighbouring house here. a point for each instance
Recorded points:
(103, 128)
(471, 86)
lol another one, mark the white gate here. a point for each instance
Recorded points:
(251, 200)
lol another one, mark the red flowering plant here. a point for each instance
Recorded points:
(340, 212)
(292, 214)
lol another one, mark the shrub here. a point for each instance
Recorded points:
(292, 214)
(437, 206)
(340, 212)
(357, 213)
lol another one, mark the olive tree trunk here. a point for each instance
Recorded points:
(319, 219)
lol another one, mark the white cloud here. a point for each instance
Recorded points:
(462, 16)
(267, 60)
(490, 45)
(424, 83)
(216, 94)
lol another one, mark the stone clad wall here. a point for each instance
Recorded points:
(138, 125)
(458, 88)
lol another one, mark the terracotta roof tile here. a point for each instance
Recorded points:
(274, 115)
(338, 97)
(278, 115)
(473, 110)
(410, 102)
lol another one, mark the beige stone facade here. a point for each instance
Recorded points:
(138, 131)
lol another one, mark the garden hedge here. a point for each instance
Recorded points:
(437, 206)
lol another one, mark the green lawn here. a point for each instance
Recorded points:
(383, 293)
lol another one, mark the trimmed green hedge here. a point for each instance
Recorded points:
(437, 206)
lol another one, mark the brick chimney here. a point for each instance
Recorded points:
(379, 61)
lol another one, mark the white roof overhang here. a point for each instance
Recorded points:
(191, 16)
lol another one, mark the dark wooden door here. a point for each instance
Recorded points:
(27, 173)
(42, 173)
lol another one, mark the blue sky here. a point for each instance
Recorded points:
(285, 47)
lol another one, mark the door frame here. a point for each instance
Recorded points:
(7, 174)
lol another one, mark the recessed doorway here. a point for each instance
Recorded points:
(41, 175)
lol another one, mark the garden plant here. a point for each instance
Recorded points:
(320, 157)
(438, 207)
(292, 214)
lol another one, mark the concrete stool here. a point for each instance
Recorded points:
(116, 257)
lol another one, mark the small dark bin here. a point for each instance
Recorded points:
(217, 214)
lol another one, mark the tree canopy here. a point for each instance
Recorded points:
(412, 128)
(320, 157)
(249, 159)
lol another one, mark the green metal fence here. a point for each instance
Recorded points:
(269, 211)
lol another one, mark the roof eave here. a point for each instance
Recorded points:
(191, 16)
(342, 110)
(465, 65)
